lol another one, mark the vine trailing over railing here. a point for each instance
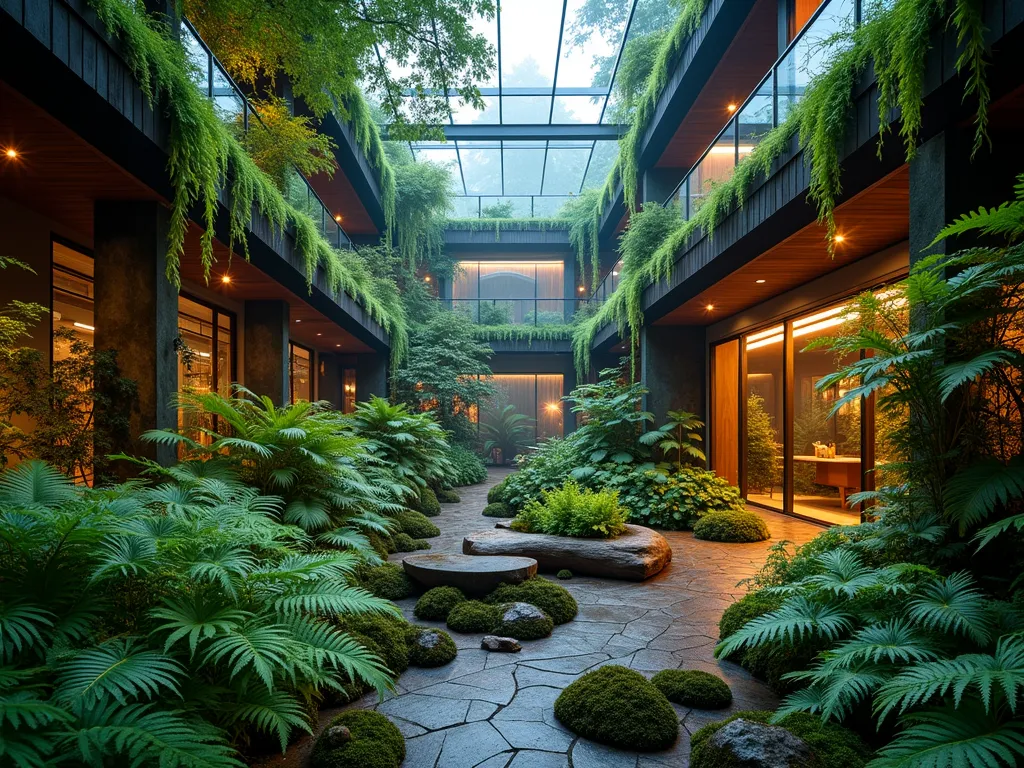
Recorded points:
(527, 333)
(584, 218)
(505, 225)
(368, 138)
(895, 39)
(206, 158)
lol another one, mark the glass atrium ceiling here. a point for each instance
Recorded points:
(555, 71)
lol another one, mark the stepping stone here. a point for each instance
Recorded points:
(473, 575)
(637, 554)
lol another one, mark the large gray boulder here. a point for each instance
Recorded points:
(746, 744)
(473, 575)
(637, 554)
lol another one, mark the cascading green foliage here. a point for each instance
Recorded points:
(423, 201)
(522, 332)
(894, 39)
(503, 225)
(368, 138)
(169, 624)
(206, 159)
(584, 216)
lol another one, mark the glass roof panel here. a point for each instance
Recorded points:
(563, 174)
(529, 42)
(601, 162)
(577, 109)
(521, 206)
(481, 167)
(464, 114)
(590, 42)
(548, 206)
(524, 168)
(525, 110)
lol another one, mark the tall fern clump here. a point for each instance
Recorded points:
(916, 618)
(169, 624)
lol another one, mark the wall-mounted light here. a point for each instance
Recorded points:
(337, 217)
(337, 345)
(426, 279)
(84, 327)
(553, 407)
(204, 354)
(297, 320)
(319, 334)
(582, 288)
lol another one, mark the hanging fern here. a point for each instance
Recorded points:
(527, 333)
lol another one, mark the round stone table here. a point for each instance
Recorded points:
(473, 575)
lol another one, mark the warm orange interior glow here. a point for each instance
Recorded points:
(731, 107)
(11, 153)
(225, 279)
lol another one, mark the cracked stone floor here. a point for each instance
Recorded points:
(495, 710)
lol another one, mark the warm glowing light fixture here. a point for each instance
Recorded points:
(709, 307)
(337, 217)
(759, 281)
(225, 279)
(582, 288)
(837, 238)
(297, 320)
(319, 334)
(615, 274)
(731, 107)
(12, 153)
(553, 407)
(426, 279)
(85, 327)
(337, 345)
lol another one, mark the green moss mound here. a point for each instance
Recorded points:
(448, 496)
(497, 493)
(693, 688)
(416, 524)
(376, 743)
(387, 633)
(438, 650)
(429, 505)
(382, 544)
(620, 707)
(565, 574)
(733, 526)
(524, 629)
(437, 603)
(747, 608)
(473, 616)
(551, 598)
(498, 509)
(387, 581)
(833, 745)
(406, 543)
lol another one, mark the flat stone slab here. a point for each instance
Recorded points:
(637, 554)
(473, 575)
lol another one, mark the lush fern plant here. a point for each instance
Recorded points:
(164, 624)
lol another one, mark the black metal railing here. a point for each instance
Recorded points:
(536, 312)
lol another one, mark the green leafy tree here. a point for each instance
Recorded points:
(506, 430)
(278, 142)
(762, 446)
(680, 434)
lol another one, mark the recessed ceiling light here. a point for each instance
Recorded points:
(731, 107)
(297, 320)
(838, 239)
(337, 345)
(319, 334)
(12, 153)
(225, 279)
(709, 307)
(759, 281)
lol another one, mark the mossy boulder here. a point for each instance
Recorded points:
(733, 526)
(497, 492)
(551, 598)
(831, 745)
(388, 634)
(473, 616)
(498, 509)
(372, 741)
(448, 496)
(416, 524)
(429, 505)
(382, 544)
(565, 574)
(523, 621)
(620, 707)
(693, 688)
(387, 581)
(437, 603)
(429, 647)
(406, 543)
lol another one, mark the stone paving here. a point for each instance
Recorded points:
(495, 710)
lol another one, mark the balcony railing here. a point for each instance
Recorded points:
(765, 109)
(235, 110)
(523, 206)
(534, 312)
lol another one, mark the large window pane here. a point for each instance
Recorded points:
(810, 55)
(300, 373)
(72, 299)
(764, 397)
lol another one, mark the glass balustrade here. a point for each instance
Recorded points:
(536, 312)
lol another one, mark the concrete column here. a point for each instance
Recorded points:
(329, 379)
(672, 369)
(136, 313)
(266, 349)
(371, 377)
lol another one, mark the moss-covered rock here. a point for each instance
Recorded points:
(565, 574)
(429, 505)
(437, 603)
(733, 526)
(387, 581)
(833, 745)
(620, 707)
(372, 741)
(382, 544)
(429, 647)
(473, 616)
(497, 492)
(448, 496)
(416, 524)
(523, 621)
(406, 543)
(388, 634)
(551, 598)
(498, 509)
(693, 688)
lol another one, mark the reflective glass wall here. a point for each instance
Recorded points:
(300, 373)
(537, 396)
(512, 292)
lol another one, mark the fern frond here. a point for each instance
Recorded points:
(275, 713)
(21, 627)
(973, 493)
(796, 618)
(196, 619)
(953, 605)
(119, 669)
(257, 646)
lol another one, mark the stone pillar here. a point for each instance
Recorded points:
(136, 313)
(266, 349)
(371, 376)
(672, 369)
(329, 379)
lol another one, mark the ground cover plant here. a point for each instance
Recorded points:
(472, 616)
(735, 525)
(693, 688)
(572, 511)
(551, 598)
(373, 742)
(435, 604)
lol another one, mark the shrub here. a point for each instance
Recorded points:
(429, 647)
(469, 468)
(416, 524)
(473, 616)
(406, 543)
(497, 492)
(617, 706)
(693, 688)
(551, 598)
(832, 744)
(523, 627)
(498, 509)
(437, 603)
(735, 527)
(388, 581)
(382, 543)
(388, 634)
(564, 574)
(543, 469)
(674, 500)
(447, 496)
(429, 504)
(750, 606)
(572, 511)
(376, 743)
